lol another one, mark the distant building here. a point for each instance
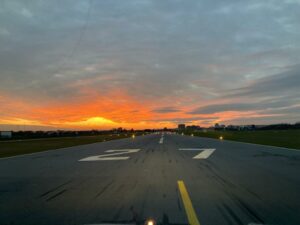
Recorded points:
(181, 126)
(6, 134)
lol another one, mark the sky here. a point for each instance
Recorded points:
(100, 64)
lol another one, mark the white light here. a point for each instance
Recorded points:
(150, 222)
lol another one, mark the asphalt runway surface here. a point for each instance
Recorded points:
(128, 180)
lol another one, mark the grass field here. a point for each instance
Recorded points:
(280, 138)
(19, 147)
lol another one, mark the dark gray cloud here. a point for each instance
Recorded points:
(262, 105)
(277, 94)
(277, 85)
(264, 120)
(186, 119)
(168, 109)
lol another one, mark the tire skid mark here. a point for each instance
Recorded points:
(247, 209)
(225, 215)
(104, 189)
(232, 214)
(120, 188)
(218, 177)
(228, 183)
(252, 193)
(241, 204)
(56, 195)
(54, 189)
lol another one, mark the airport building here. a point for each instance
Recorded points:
(181, 126)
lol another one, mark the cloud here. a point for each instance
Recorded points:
(254, 106)
(185, 119)
(200, 56)
(168, 109)
(284, 83)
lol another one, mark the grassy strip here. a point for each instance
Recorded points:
(279, 138)
(20, 147)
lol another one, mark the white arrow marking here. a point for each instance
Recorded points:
(206, 152)
(106, 157)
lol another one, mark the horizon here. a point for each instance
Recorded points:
(21, 128)
(148, 64)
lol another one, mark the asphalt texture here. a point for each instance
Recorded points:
(238, 184)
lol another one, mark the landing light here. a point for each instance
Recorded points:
(221, 137)
(192, 135)
(133, 136)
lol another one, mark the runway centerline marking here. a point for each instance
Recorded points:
(188, 206)
(204, 154)
(111, 155)
(161, 140)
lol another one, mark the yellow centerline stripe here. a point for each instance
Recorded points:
(188, 206)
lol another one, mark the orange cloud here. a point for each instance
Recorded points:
(100, 112)
(94, 111)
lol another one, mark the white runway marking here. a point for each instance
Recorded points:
(206, 152)
(111, 156)
(161, 140)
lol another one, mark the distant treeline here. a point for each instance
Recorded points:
(283, 126)
(67, 133)
(280, 127)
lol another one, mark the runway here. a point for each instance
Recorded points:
(128, 180)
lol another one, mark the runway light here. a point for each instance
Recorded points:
(150, 222)
(221, 137)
